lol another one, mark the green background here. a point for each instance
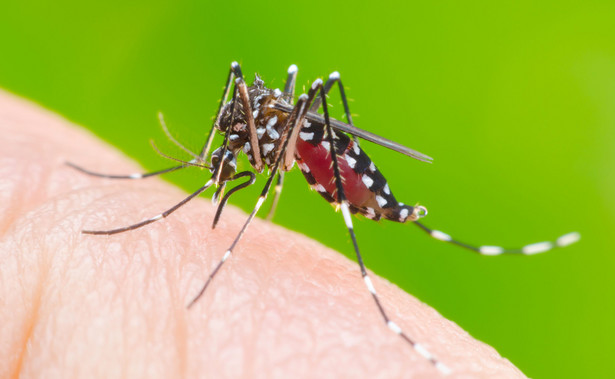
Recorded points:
(515, 102)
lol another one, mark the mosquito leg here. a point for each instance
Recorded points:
(276, 197)
(249, 114)
(251, 179)
(289, 95)
(342, 200)
(289, 88)
(293, 135)
(218, 169)
(153, 219)
(216, 197)
(335, 77)
(535, 248)
(129, 176)
(292, 122)
(210, 136)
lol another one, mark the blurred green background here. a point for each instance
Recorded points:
(514, 100)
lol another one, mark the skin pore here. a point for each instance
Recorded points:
(74, 305)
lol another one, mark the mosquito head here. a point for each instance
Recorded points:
(229, 165)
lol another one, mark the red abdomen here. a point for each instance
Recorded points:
(365, 187)
(317, 161)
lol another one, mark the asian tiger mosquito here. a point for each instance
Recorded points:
(272, 130)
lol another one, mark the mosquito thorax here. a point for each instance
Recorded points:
(269, 122)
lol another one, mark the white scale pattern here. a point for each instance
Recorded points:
(319, 187)
(381, 201)
(403, 214)
(367, 181)
(267, 147)
(306, 136)
(351, 161)
(304, 167)
(370, 213)
(536, 248)
(490, 250)
(260, 132)
(440, 235)
(568, 239)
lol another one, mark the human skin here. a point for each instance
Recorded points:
(76, 306)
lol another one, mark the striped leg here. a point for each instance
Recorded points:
(276, 196)
(289, 88)
(210, 136)
(289, 95)
(152, 219)
(240, 89)
(240, 84)
(535, 248)
(129, 176)
(293, 120)
(196, 161)
(334, 77)
(343, 202)
(222, 153)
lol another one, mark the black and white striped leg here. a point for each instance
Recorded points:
(535, 248)
(152, 219)
(289, 87)
(210, 137)
(335, 77)
(129, 176)
(240, 91)
(289, 96)
(293, 120)
(276, 197)
(292, 135)
(343, 202)
(223, 155)
(249, 115)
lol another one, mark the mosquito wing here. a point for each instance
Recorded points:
(364, 134)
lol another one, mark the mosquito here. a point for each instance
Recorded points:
(275, 132)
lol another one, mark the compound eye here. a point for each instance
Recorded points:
(229, 165)
(215, 157)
